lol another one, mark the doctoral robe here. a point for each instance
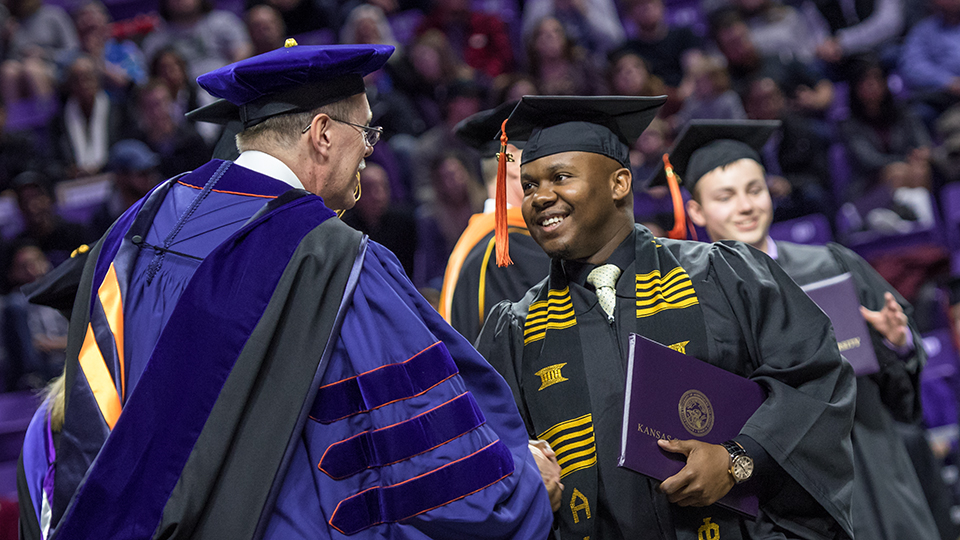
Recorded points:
(241, 364)
(473, 283)
(724, 303)
(888, 500)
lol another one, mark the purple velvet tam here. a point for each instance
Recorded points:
(287, 80)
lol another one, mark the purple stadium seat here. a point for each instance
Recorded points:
(813, 229)
(939, 381)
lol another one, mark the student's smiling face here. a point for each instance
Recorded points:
(573, 203)
(733, 203)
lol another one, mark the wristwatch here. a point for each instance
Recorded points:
(741, 465)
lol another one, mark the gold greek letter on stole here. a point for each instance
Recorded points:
(708, 531)
(577, 503)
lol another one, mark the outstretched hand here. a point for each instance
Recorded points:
(704, 479)
(549, 471)
(890, 321)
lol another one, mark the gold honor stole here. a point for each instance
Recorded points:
(555, 388)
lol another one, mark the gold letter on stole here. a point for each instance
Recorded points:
(708, 531)
(577, 503)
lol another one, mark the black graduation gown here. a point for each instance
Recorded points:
(888, 500)
(758, 324)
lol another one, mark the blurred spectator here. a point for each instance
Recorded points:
(179, 145)
(18, 152)
(480, 39)
(266, 28)
(712, 96)
(121, 64)
(463, 98)
(859, 26)
(35, 336)
(367, 24)
(558, 65)
(56, 237)
(38, 35)
(302, 16)
(90, 122)
(930, 59)
(207, 38)
(946, 156)
(513, 86)
(593, 24)
(889, 149)
(796, 156)
(778, 29)
(667, 50)
(628, 75)
(805, 89)
(169, 67)
(134, 168)
(423, 73)
(391, 224)
(458, 195)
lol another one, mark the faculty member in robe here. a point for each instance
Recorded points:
(241, 364)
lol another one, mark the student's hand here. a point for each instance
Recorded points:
(549, 470)
(704, 479)
(890, 321)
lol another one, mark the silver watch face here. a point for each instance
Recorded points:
(742, 468)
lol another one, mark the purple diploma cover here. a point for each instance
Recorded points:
(837, 297)
(670, 395)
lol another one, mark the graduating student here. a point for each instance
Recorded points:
(719, 162)
(473, 283)
(241, 364)
(562, 348)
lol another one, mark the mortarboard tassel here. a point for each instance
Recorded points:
(501, 237)
(679, 231)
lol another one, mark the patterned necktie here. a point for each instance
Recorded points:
(604, 280)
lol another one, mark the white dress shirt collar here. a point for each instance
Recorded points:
(264, 163)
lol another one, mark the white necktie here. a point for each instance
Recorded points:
(604, 280)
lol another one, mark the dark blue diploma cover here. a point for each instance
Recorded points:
(837, 297)
(670, 395)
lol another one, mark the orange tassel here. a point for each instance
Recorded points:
(500, 216)
(679, 231)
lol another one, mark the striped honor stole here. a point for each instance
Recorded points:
(554, 378)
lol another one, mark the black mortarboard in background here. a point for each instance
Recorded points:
(548, 125)
(704, 145)
(480, 130)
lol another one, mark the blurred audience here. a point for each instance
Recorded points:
(37, 36)
(266, 28)
(593, 24)
(391, 224)
(134, 169)
(889, 150)
(207, 38)
(458, 194)
(179, 145)
(558, 64)
(666, 49)
(930, 59)
(480, 40)
(35, 337)
(90, 122)
(121, 63)
(55, 236)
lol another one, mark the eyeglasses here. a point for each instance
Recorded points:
(371, 134)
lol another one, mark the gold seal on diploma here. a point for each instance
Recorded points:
(696, 413)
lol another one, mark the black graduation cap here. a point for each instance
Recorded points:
(480, 130)
(291, 79)
(704, 145)
(605, 125)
